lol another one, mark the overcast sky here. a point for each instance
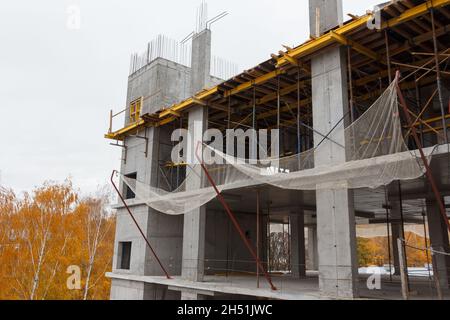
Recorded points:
(57, 85)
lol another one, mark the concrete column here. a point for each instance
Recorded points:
(298, 260)
(195, 221)
(335, 211)
(201, 60)
(324, 15)
(439, 241)
(312, 262)
(336, 244)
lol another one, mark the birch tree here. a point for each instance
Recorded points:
(45, 232)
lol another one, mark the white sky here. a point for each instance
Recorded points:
(57, 85)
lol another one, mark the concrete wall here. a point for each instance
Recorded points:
(223, 243)
(164, 82)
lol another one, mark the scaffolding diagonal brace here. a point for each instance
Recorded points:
(428, 171)
(234, 221)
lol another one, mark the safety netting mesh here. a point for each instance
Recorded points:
(369, 153)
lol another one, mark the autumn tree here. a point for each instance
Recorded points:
(43, 233)
(98, 231)
(374, 251)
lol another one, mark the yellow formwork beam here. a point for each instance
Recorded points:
(415, 12)
(166, 121)
(357, 47)
(328, 38)
(118, 135)
(189, 102)
(259, 80)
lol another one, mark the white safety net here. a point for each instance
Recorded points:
(369, 153)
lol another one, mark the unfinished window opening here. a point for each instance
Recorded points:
(279, 255)
(128, 193)
(135, 110)
(124, 256)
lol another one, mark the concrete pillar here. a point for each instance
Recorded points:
(324, 15)
(195, 221)
(439, 241)
(201, 60)
(298, 261)
(335, 211)
(312, 262)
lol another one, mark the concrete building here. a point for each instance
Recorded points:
(327, 81)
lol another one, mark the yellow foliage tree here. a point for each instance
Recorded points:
(44, 233)
(374, 251)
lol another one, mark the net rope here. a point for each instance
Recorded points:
(369, 153)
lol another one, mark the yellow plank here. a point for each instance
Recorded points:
(415, 12)
(118, 135)
(259, 80)
(327, 39)
(189, 102)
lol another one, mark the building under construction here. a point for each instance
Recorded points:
(192, 237)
